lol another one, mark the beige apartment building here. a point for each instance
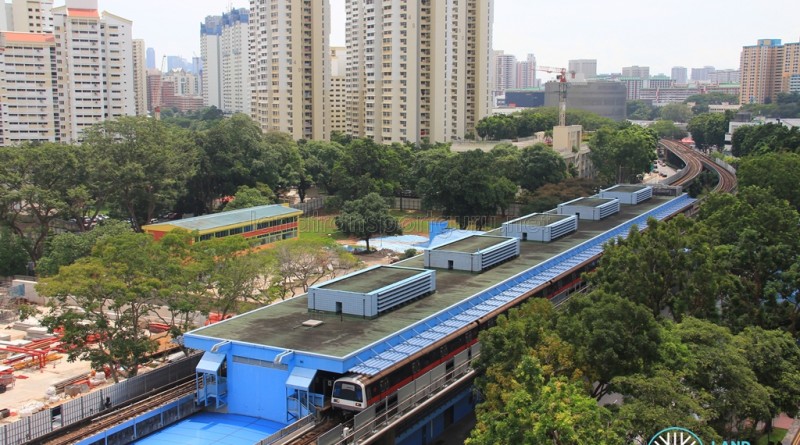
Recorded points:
(337, 103)
(27, 75)
(767, 69)
(139, 78)
(34, 16)
(290, 66)
(418, 69)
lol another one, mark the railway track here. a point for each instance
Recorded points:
(695, 162)
(102, 422)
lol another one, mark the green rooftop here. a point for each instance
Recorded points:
(215, 221)
(280, 325)
(371, 279)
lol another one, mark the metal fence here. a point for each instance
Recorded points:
(310, 204)
(306, 422)
(44, 422)
(404, 203)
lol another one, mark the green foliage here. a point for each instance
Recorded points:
(620, 154)
(525, 123)
(786, 105)
(540, 165)
(142, 163)
(367, 217)
(246, 197)
(549, 196)
(763, 139)
(702, 101)
(778, 172)
(612, 337)
(108, 295)
(197, 120)
(409, 253)
(667, 129)
(675, 113)
(320, 158)
(37, 186)
(14, 253)
(66, 248)
(366, 167)
(466, 186)
(708, 129)
(640, 110)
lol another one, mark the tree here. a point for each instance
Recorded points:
(505, 158)
(675, 112)
(305, 262)
(774, 357)
(106, 297)
(708, 129)
(702, 101)
(670, 266)
(718, 367)
(231, 154)
(540, 165)
(142, 164)
(282, 156)
(612, 337)
(640, 110)
(467, 187)
(236, 276)
(620, 154)
(757, 237)
(367, 217)
(246, 197)
(667, 129)
(36, 182)
(763, 139)
(66, 248)
(320, 158)
(14, 253)
(536, 410)
(777, 172)
(366, 167)
(549, 196)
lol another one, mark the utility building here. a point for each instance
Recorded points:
(473, 254)
(544, 227)
(628, 194)
(593, 209)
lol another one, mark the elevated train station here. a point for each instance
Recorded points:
(280, 362)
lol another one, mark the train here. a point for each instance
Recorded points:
(355, 392)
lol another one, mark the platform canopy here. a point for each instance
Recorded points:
(210, 362)
(301, 378)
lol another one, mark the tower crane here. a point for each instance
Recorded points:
(561, 77)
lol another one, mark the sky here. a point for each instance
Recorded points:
(689, 33)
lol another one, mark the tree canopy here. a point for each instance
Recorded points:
(367, 217)
(708, 129)
(620, 154)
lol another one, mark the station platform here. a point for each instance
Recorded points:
(213, 428)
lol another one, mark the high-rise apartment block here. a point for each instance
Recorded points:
(225, 51)
(139, 77)
(724, 76)
(768, 68)
(526, 72)
(27, 88)
(638, 72)
(585, 67)
(34, 16)
(505, 72)
(679, 75)
(418, 69)
(290, 65)
(100, 87)
(337, 116)
(210, 33)
(235, 65)
(702, 74)
(55, 84)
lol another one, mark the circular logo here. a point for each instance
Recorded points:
(675, 436)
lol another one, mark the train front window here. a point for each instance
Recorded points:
(347, 391)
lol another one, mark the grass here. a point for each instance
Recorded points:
(776, 435)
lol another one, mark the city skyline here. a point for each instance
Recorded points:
(689, 34)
